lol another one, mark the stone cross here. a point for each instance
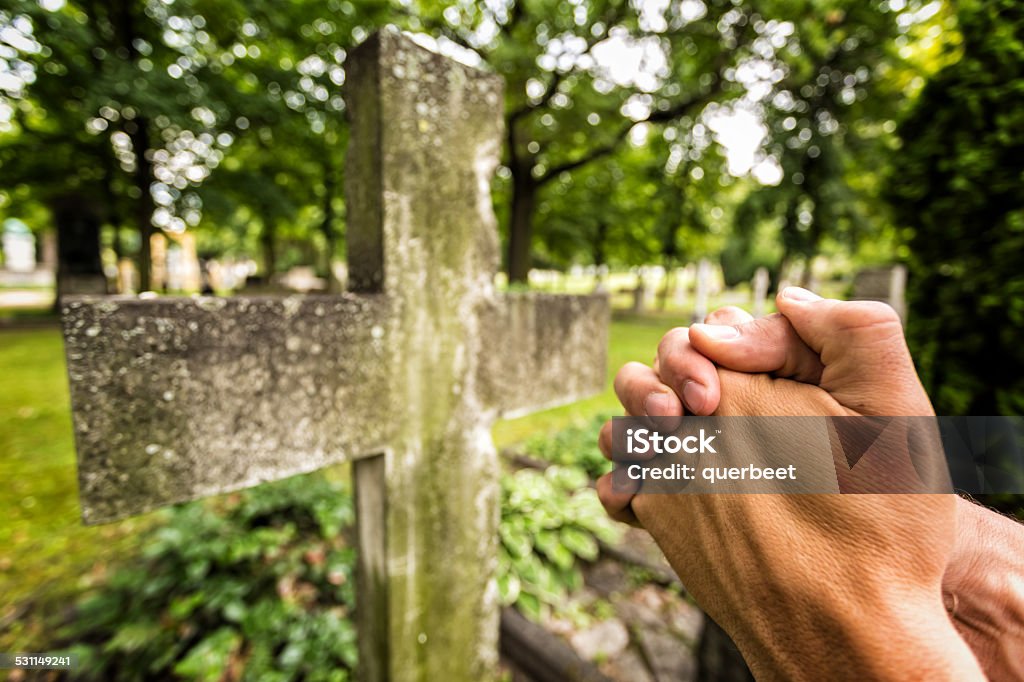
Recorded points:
(179, 398)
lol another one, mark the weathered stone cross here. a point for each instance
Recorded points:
(175, 399)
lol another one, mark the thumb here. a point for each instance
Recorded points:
(867, 366)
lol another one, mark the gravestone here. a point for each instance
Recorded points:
(127, 276)
(683, 278)
(702, 290)
(886, 283)
(19, 246)
(158, 261)
(182, 263)
(759, 291)
(652, 277)
(175, 399)
(49, 251)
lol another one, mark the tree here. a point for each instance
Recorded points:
(646, 203)
(564, 111)
(137, 103)
(829, 121)
(956, 189)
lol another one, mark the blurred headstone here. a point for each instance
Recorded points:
(19, 246)
(818, 270)
(702, 290)
(158, 261)
(652, 276)
(49, 259)
(404, 377)
(183, 272)
(127, 276)
(302, 279)
(886, 283)
(340, 271)
(543, 279)
(759, 291)
(790, 273)
(684, 278)
(716, 279)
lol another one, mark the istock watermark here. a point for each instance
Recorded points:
(644, 441)
(848, 455)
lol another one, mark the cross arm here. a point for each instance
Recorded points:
(175, 399)
(542, 350)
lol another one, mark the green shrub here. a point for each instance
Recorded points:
(574, 446)
(549, 521)
(262, 586)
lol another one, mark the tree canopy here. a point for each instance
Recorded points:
(624, 122)
(956, 186)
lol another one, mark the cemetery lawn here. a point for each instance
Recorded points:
(48, 555)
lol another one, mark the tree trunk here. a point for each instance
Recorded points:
(520, 230)
(668, 283)
(327, 227)
(805, 275)
(138, 131)
(112, 213)
(79, 267)
(122, 17)
(268, 243)
(599, 251)
(600, 244)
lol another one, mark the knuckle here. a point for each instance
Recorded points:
(725, 313)
(673, 351)
(861, 314)
(623, 376)
(631, 378)
(672, 339)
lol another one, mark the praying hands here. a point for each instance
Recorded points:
(843, 586)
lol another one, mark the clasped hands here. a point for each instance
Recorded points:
(812, 586)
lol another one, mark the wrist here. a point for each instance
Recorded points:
(881, 630)
(983, 588)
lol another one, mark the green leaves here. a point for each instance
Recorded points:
(575, 447)
(207, 661)
(262, 583)
(579, 542)
(550, 521)
(259, 582)
(956, 184)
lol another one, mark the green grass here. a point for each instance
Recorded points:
(49, 555)
(47, 552)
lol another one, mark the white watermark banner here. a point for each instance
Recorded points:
(848, 454)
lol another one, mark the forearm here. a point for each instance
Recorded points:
(984, 589)
(801, 607)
